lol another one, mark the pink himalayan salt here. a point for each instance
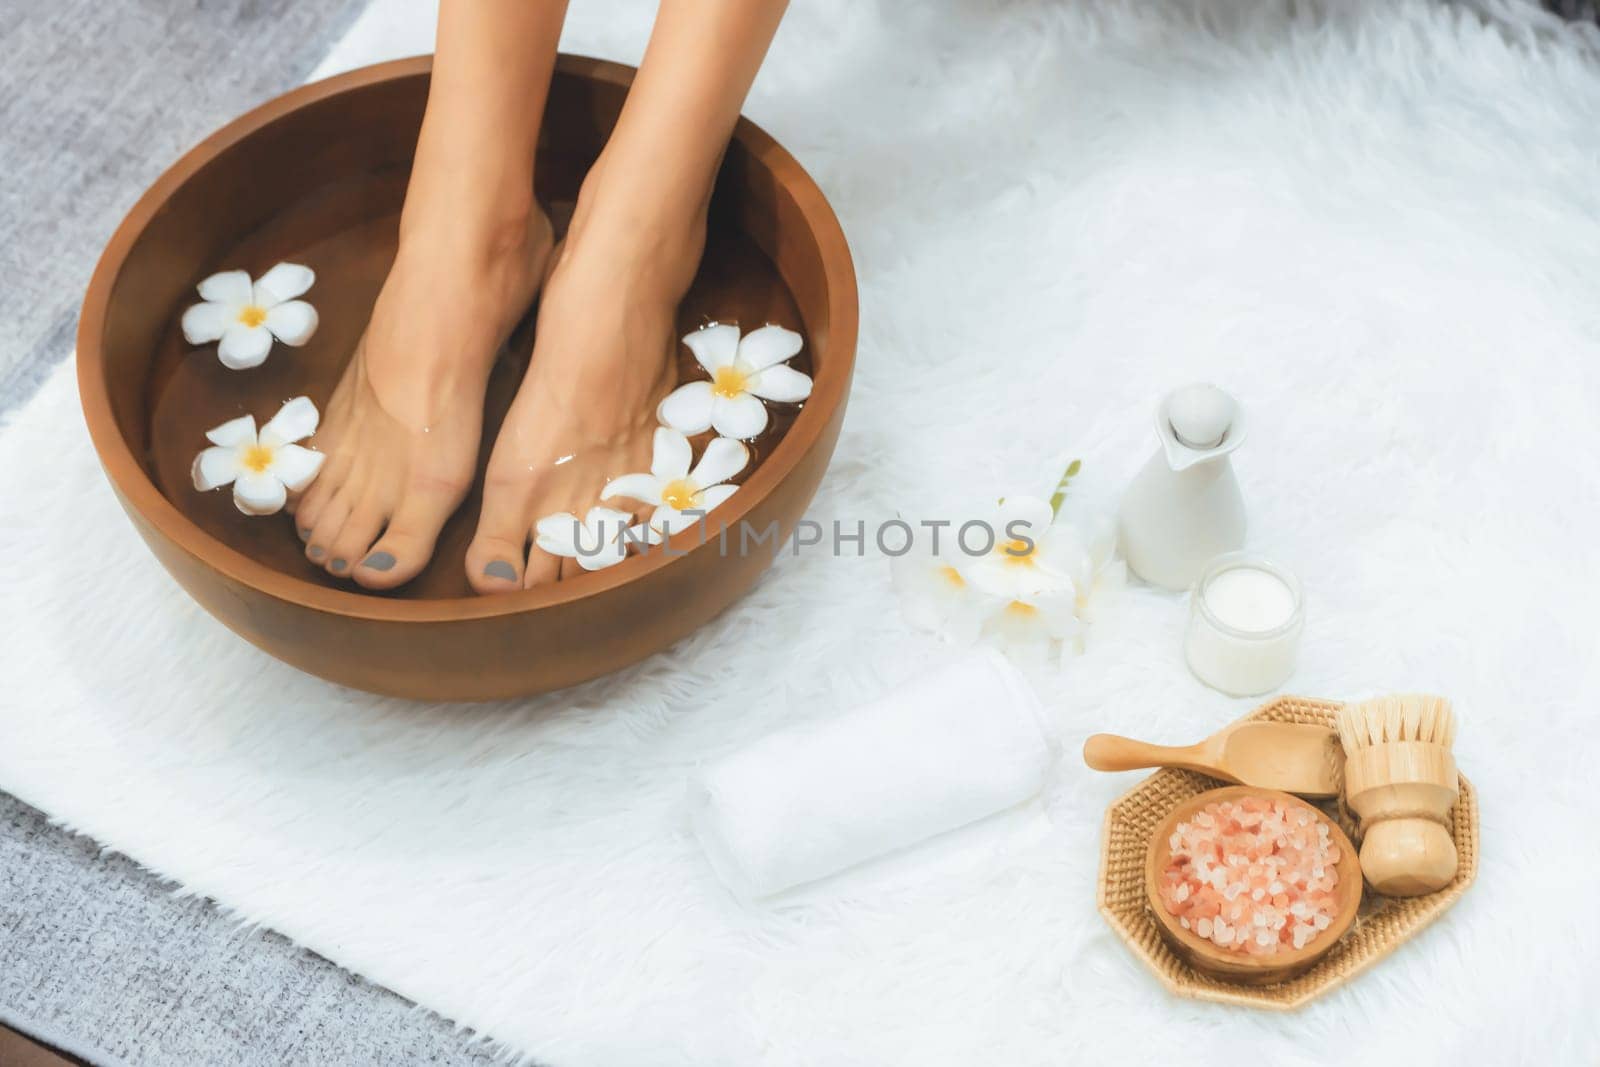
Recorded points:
(1254, 876)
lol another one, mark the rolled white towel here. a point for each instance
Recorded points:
(950, 748)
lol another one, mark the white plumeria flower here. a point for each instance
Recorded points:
(674, 489)
(245, 317)
(1032, 555)
(935, 595)
(1029, 626)
(264, 468)
(596, 541)
(1035, 593)
(743, 374)
(1106, 577)
(1080, 588)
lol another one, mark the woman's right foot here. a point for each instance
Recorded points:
(402, 429)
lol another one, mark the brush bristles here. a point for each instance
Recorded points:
(1402, 717)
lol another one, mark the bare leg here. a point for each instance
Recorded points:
(403, 427)
(602, 358)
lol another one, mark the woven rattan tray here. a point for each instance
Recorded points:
(1382, 925)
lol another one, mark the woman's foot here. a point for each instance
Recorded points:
(602, 360)
(402, 429)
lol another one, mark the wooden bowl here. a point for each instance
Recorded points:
(1250, 970)
(317, 177)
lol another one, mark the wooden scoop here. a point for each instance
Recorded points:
(1290, 757)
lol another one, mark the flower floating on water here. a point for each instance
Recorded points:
(681, 496)
(246, 317)
(263, 467)
(743, 374)
(596, 541)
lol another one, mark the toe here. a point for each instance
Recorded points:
(302, 531)
(312, 503)
(408, 543)
(350, 546)
(495, 562)
(325, 528)
(499, 547)
(543, 568)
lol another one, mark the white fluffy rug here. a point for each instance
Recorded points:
(1379, 225)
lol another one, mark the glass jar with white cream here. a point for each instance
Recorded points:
(1246, 614)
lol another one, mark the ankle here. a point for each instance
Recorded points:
(501, 233)
(489, 204)
(640, 226)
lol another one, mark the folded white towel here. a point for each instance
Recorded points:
(962, 743)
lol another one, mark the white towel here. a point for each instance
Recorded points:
(953, 747)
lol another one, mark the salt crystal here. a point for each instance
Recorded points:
(1263, 847)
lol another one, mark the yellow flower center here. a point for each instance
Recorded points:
(251, 315)
(1019, 552)
(729, 382)
(257, 458)
(951, 575)
(1021, 610)
(679, 494)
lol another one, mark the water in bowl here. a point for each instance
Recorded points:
(350, 245)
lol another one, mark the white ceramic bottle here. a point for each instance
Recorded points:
(1185, 508)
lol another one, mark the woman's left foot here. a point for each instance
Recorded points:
(602, 360)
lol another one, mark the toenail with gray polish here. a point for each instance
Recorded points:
(339, 565)
(316, 552)
(501, 569)
(305, 535)
(378, 561)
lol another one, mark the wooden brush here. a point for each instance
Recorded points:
(1400, 780)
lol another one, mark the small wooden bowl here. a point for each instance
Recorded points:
(317, 177)
(1234, 967)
